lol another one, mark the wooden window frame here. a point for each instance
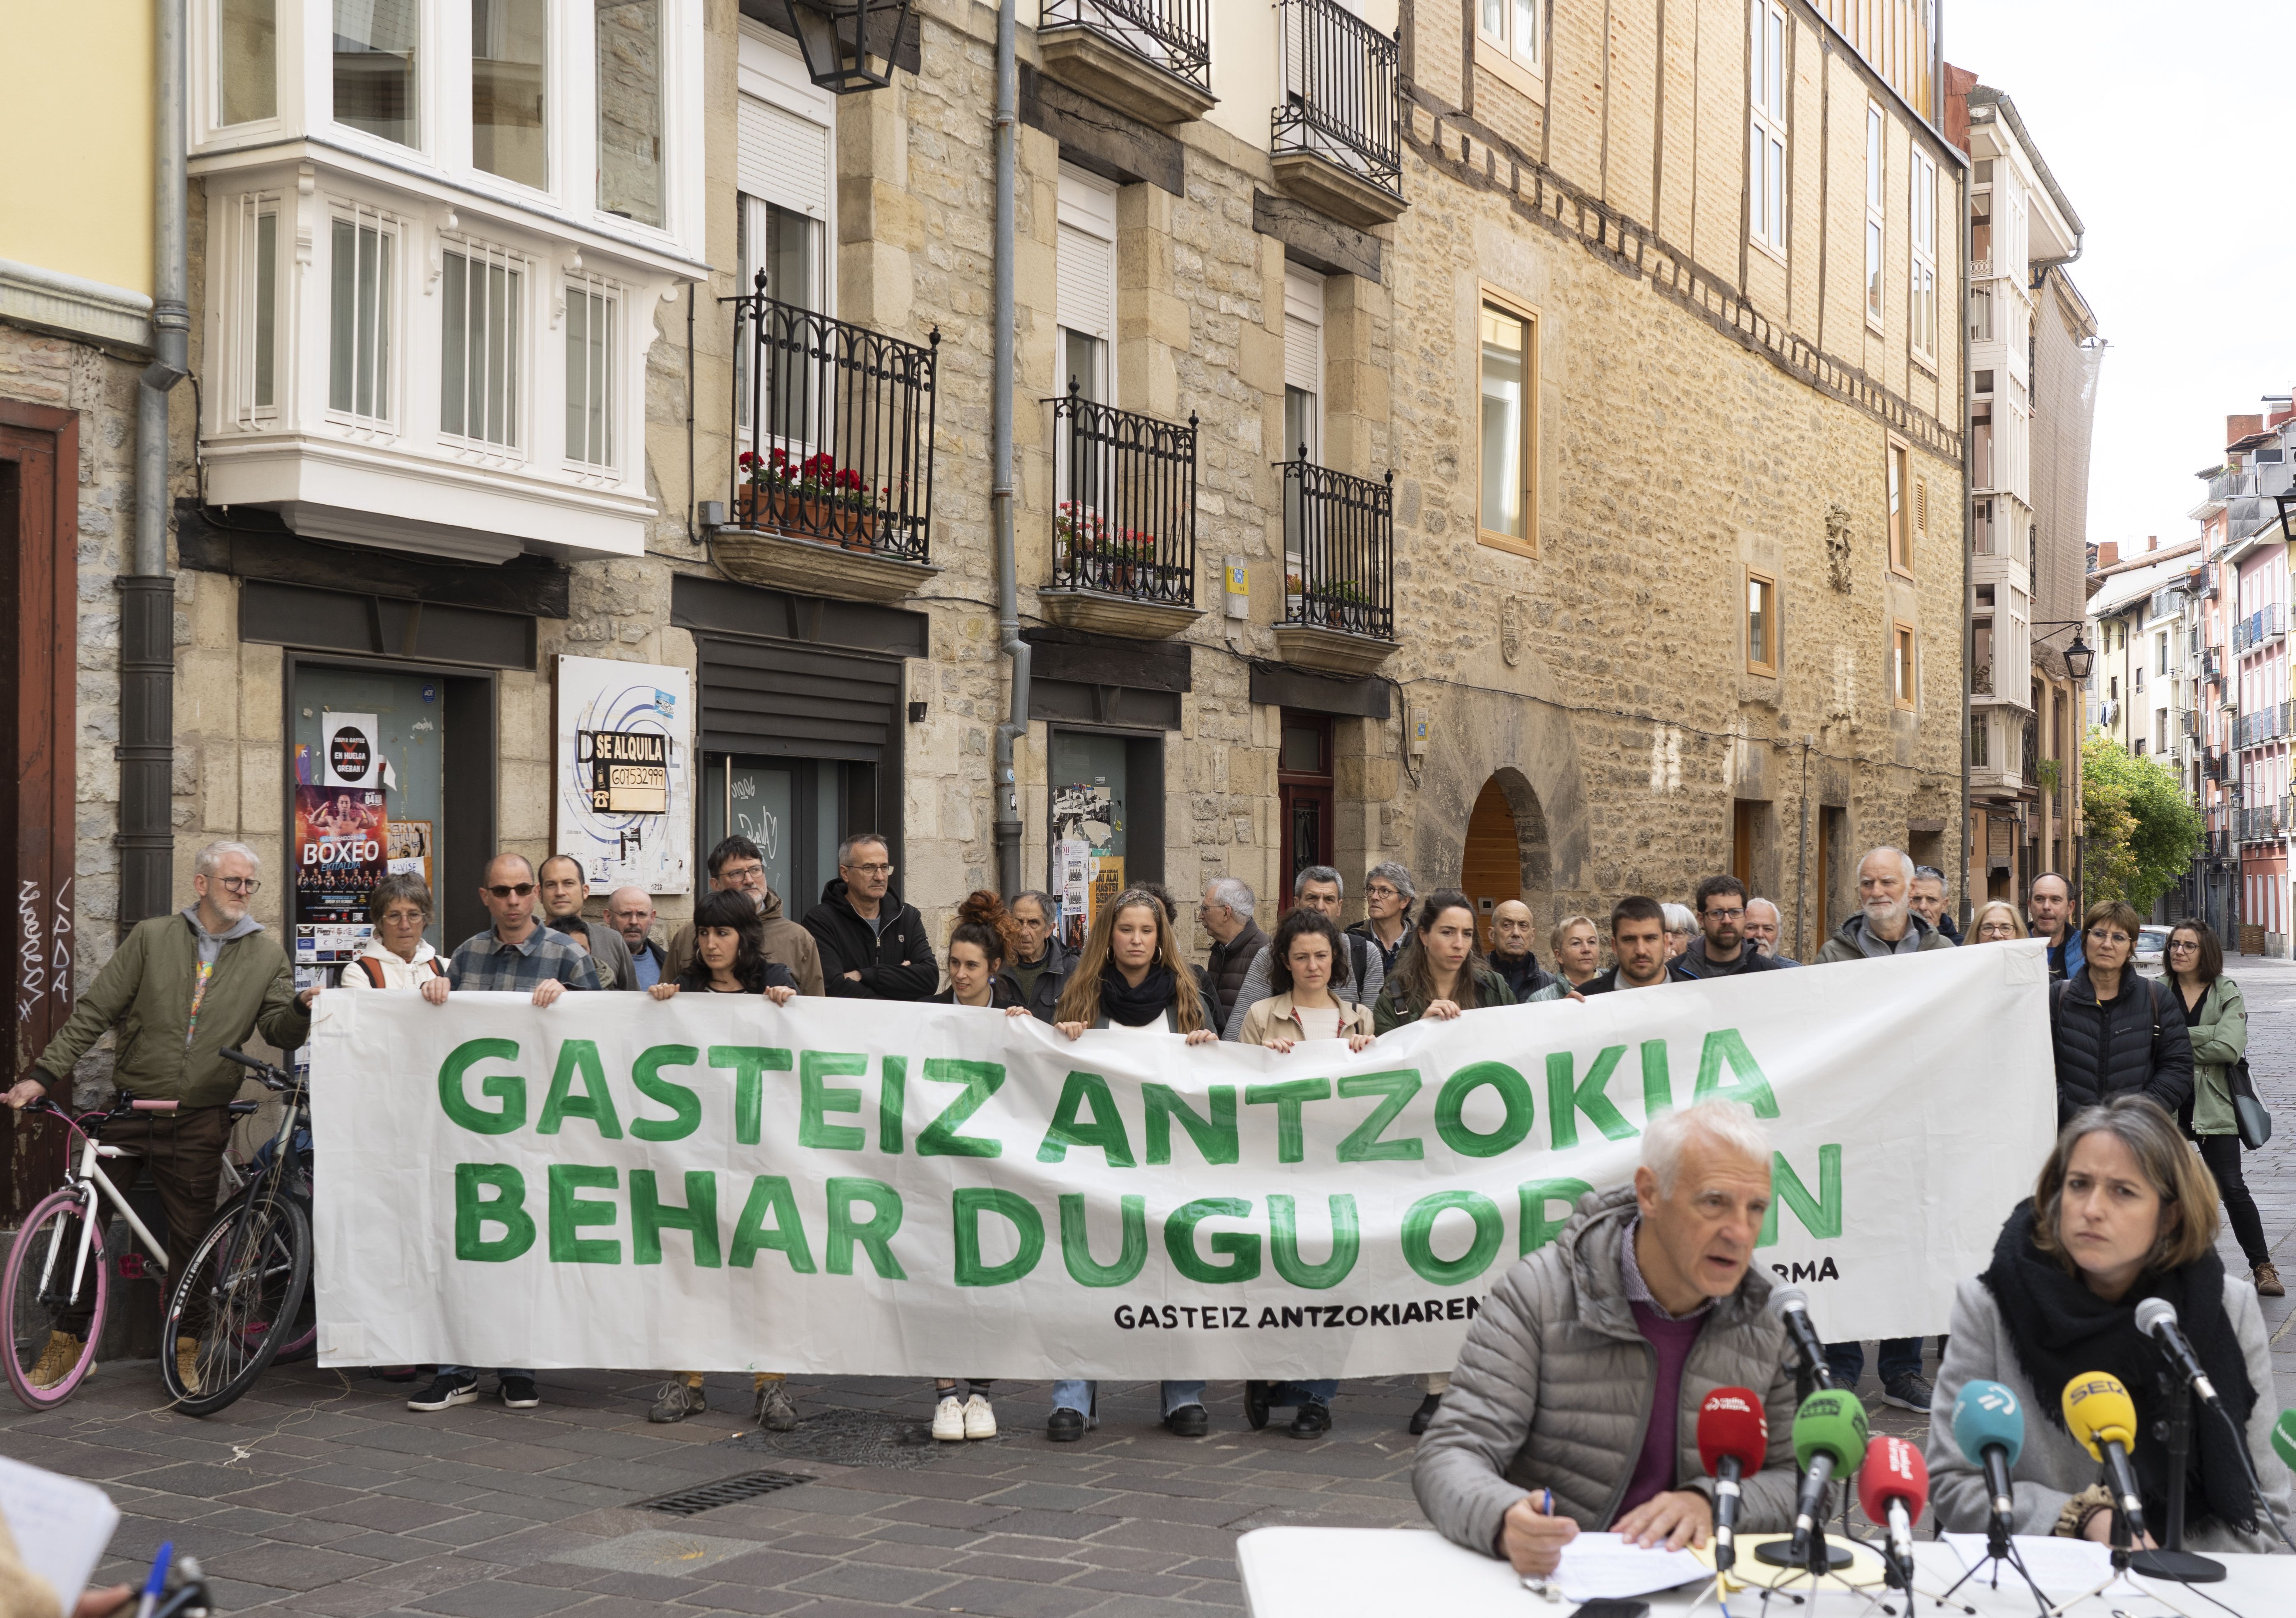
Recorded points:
(1534, 323)
(1877, 230)
(1908, 699)
(1898, 462)
(1922, 316)
(1754, 665)
(1502, 56)
(1767, 123)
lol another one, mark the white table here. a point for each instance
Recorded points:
(1371, 1572)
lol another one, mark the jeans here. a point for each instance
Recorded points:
(1321, 1390)
(504, 1374)
(1898, 1357)
(1075, 1393)
(2222, 1153)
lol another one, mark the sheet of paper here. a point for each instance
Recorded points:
(2062, 1567)
(61, 1525)
(1595, 1566)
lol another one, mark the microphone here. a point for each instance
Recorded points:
(1733, 1438)
(1829, 1437)
(1893, 1485)
(1792, 1307)
(2102, 1419)
(2156, 1318)
(1988, 1426)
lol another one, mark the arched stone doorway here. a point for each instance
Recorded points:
(1507, 854)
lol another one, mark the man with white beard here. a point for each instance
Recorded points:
(1885, 923)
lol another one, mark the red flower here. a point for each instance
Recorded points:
(779, 457)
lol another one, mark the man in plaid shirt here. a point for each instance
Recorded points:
(519, 955)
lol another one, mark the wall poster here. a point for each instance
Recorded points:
(623, 773)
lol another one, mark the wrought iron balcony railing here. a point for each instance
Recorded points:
(1337, 97)
(833, 430)
(1173, 35)
(1125, 520)
(1339, 545)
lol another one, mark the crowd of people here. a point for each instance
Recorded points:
(211, 970)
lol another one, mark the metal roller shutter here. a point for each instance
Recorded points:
(783, 158)
(765, 699)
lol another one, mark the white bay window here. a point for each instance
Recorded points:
(359, 316)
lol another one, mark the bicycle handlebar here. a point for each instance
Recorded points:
(273, 1078)
(153, 1107)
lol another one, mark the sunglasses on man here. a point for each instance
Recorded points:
(504, 890)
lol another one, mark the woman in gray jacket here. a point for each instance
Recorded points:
(2216, 1020)
(2123, 1211)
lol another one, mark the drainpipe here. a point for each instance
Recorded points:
(1969, 577)
(147, 616)
(1000, 494)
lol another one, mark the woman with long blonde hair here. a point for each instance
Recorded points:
(1130, 978)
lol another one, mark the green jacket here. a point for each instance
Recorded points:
(1393, 1011)
(2220, 1039)
(146, 988)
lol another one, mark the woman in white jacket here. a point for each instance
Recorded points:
(397, 956)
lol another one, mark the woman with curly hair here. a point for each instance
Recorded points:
(1130, 978)
(984, 938)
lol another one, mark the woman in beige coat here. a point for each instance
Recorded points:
(1303, 1006)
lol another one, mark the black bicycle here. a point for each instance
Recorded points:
(241, 1299)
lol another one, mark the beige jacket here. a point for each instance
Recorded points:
(1272, 1019)
(787, 944)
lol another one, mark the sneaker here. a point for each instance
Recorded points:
(1311, 1421)
(1256, 1401)
(1425, 1413)
(520, 1393)
(678, 1400)
(775, 1411)
(1189, 1421)
(447, 1392)
(979, 1420)
(1065, 1425)
(948, 1420)
(57, 1359)
(1910, 1392)
(2268, 1282)
(187, 1363)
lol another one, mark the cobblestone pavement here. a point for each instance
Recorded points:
(322, 1494)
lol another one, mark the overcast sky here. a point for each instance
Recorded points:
(2167, 139)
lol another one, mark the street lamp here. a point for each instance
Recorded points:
(849, 44)
(2079, 658)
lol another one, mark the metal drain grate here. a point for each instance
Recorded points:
(724, 1492)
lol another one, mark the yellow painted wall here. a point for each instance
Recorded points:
(76, 122)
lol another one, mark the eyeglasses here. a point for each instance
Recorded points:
(1381, 890)
(873, 871)
(740, 873)
(2182, 944)
(238, 884)
(504, 890)
(1724, 915)
(2105, 934)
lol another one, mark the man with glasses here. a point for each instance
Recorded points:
(1723, 948)
(187, 986)
(872, 946)
(1388, 892)
(737, 865)
(562, 888)
(516, 955)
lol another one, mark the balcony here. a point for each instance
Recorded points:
(832, 477)
(1150, 58)
(1339, 592)
(1124, 527)
(1338, 142)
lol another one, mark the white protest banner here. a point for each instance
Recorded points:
(714, 1183)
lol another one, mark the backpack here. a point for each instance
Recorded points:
(375, 972)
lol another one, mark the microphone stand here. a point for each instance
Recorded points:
(1998, 1549)
(2172, 1561)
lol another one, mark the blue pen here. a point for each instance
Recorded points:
(158, 1581)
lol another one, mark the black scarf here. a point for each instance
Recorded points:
(1121, 1003)
(2059, 1329)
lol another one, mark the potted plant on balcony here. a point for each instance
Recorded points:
(1346, 604)
(1295, 592)
(812, 497)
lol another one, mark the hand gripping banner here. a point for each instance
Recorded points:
(715, 1183)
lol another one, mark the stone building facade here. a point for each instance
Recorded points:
(1625, 533)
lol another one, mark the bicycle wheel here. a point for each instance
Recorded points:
(236, 1298)
(301, 1340)
(44, 1279)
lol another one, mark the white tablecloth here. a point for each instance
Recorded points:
(1368, 1572)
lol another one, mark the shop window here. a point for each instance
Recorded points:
(247, 60)
(509, 47)
(1508, 439)
(359, 317)
(1305, 789)
(374, 42)
(629, 110)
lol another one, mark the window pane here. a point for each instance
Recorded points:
(343, 310)
(1758, 621)
(375, 67)
(374, 320)
(454, 343)
(1082, 363)
(1777, 64)
(1526, 29)
(267, 305)
(507, 134)
(247, 60)
(1495, 18)
(1777, 204)
(629, 108)
(479, 349)
(792, 258)
(1756, 220)
(1505, 400)
(1873, 269)
(589, 349)
(1872, 157)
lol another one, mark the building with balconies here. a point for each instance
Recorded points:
(2033, 358)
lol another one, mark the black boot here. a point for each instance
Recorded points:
(1256, 1402)
(1425, 1413)
(1311, 1421)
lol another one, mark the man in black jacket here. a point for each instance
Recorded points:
(1225, 913)
(872, 946)
(1511, 956)
(1723, 949)
(1038, 979)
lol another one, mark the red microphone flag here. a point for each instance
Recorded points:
(1731, 1426)
(1894, 1469)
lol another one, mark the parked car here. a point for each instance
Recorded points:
(2150, 941)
